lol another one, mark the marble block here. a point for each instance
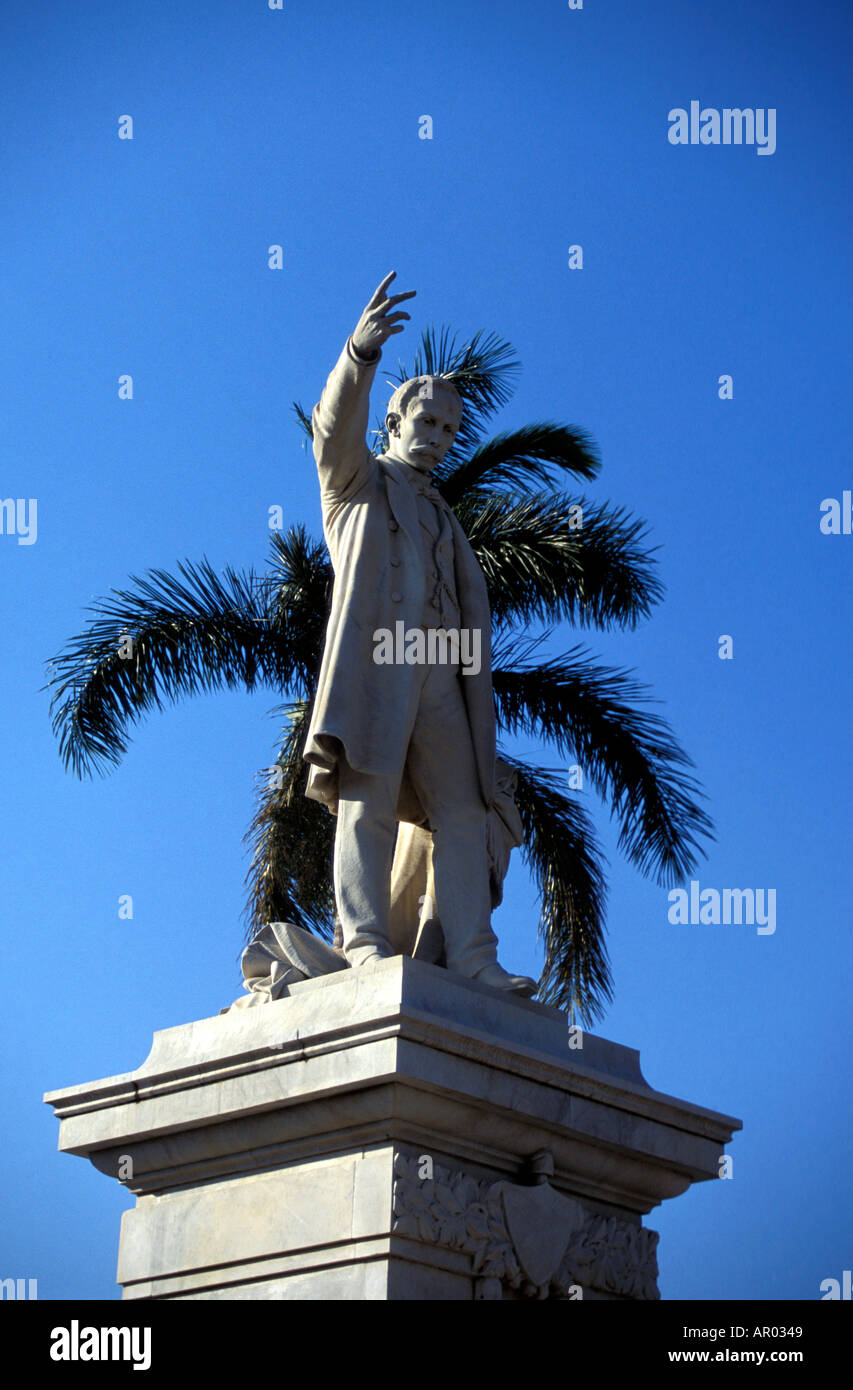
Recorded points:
(389, 1132)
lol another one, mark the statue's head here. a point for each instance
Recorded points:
(423, 418)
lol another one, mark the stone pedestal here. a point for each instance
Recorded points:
(392, 1132)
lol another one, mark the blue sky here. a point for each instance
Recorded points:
(149, 257)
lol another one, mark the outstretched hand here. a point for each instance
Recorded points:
(377, 323)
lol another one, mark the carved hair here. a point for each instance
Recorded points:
(423, 386)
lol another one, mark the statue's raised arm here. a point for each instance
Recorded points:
(340, 419)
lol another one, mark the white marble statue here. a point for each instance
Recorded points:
(393, 740)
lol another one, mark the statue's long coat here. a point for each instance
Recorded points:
(370, 520)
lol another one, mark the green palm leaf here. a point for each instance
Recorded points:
(519, 457)
(561, 850)
(188, 635)
(630, 757)
(298, 586)
(539, 565)
(292, 838)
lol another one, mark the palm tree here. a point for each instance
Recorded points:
(549, 558)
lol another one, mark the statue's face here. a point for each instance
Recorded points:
(424, 434)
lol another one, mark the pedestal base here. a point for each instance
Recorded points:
(392, 1132)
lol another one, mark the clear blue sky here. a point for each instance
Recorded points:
(149, 257)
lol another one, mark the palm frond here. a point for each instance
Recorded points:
(290, 875)
(562, 853)
(299, 582)
(519, 458)
(304, 419)
(630, 757)
(148, 646)
(541, 565)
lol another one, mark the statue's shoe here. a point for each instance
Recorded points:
(373, 957)
(498, 978)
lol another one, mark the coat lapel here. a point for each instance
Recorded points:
(403, 503)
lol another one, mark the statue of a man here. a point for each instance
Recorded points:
(407, 736)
